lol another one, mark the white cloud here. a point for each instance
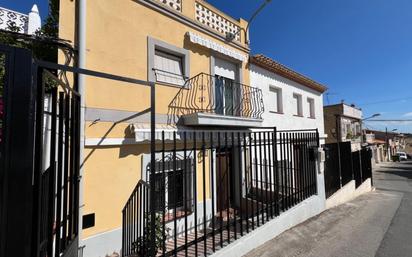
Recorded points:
(408, 114)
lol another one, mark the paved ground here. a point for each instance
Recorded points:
(375, 224)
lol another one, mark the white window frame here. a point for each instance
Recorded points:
(299, 109)
(279, 99)
(311, 105)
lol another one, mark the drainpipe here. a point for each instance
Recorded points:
(81, 47)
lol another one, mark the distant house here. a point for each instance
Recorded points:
(292, 101)
(389, 143)
(378, 146)
(343, 123)
(25, 23)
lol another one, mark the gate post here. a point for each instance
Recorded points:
(38, 157)
(16, 173)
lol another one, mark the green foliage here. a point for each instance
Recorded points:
(143, 244)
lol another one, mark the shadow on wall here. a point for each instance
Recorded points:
(182, 103)
(124, 149)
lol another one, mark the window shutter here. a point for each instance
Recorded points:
(168, 68)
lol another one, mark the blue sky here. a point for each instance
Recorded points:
(360, 49)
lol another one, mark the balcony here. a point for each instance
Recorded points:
(205, 15)
(207, 100)
(9, 18)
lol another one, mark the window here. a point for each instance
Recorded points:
(225, 96)
(311, 103)
(348, 131)
(358, 130)
(168, 68)
(227, 91)
(172, 184)
(167, 63)
(167, 188)
(297, 101)
(175, 189)
(275, 102)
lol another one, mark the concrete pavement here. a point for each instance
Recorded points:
(377, 224)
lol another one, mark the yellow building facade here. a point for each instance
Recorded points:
(166, 42)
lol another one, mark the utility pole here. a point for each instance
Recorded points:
(387, 143)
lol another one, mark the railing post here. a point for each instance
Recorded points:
(152, 169)
(275, 170)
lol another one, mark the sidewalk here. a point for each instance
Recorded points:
(355, 229)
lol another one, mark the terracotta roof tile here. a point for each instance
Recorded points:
(273, 66)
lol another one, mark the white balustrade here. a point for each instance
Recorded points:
(174, 4)
(216, 21)
(28, 24)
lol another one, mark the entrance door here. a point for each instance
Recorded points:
(226, 73)
(224, 96)
(224, 180)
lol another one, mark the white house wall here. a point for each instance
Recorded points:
(263, 79)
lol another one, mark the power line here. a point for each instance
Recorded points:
(390, 120)
(387, 101)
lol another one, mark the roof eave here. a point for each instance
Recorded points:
(289, 74)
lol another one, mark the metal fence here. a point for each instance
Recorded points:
(342, 166)
(39, 159)
(332, 169)
(212, 187)
(57, 157)
(40, 152)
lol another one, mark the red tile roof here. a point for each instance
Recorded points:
(273, 66)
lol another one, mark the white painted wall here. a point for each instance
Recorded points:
(352, 112)
(348, 192)
(263, 79)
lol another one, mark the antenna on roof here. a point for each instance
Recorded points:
(327, 94)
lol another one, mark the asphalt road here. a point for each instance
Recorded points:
(377, 224)
(397, 241)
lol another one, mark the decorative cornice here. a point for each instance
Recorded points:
(273, 66)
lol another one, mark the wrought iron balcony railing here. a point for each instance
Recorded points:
(205, 93)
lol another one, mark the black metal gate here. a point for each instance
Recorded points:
(338, 166)
(208, 188)
(342, 166)
(366, 159)
(40, 135)
(332, 169)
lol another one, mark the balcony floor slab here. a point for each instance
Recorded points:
(211, 119)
